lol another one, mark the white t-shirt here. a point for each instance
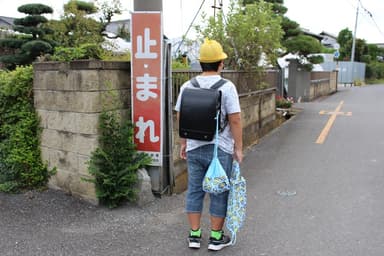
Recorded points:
(229, 105)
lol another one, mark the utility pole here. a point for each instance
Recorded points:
(354, 33)
(217, 7)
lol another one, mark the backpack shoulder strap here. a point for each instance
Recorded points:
(218, 84)
(194, 82)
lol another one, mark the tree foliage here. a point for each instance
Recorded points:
(250, 35)
(292, 34)
(79, 24)
(345, 39)
(303, 45)
(35, 9)
(21, 166)
(76, 26)
(108, 10)
(32, 42)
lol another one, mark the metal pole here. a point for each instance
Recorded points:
(214, 10)
(354, 34)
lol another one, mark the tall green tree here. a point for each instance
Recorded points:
(345, 39)
(77, 26)
(250, 35)
(84, 22)
(290, 27)
(293, 40)
(31, 43)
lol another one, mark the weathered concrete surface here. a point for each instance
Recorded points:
(69, 98)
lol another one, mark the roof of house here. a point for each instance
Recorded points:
(8, 20)
(324, 33)
(309, 33)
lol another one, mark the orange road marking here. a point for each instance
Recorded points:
(324, 133)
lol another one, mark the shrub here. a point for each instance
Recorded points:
(282, 102)
(375, 70)
(84, 51)
(115, 162)
(21, 166)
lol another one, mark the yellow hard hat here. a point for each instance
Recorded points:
(211, 51)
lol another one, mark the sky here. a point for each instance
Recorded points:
(315, 15)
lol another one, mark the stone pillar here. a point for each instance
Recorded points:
(68, 98)
(298, 81)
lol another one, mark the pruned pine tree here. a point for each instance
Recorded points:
(30, 43)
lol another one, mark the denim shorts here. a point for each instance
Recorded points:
(198, 161)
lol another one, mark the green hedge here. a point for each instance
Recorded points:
(21, 166)
(375, 70)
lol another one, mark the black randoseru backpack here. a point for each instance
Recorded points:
(198, 111)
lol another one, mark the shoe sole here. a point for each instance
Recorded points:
(213, 247)
(194, 245)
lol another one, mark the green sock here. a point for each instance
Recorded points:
(216, 234)
(196, 232)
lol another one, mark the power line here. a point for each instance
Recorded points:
(185, 35)
(371, 16)
(366, 12)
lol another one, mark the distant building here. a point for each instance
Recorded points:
(329, 40)
(115, 27)
(325, 38)
(314, 35)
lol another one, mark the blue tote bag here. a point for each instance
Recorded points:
(216, 180)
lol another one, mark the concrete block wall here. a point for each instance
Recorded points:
(322, 83)
(69, 98)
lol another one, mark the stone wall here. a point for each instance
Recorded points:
(322, 84)
(69, 98)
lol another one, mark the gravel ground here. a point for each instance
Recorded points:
(54, 223)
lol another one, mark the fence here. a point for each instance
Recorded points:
(349, 72)
(246, 82)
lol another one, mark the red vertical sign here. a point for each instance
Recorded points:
(146, 73)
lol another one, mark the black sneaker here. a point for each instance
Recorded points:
(194, 242)
(217, 245)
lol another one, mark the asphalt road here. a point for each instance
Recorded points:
(304, 198)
